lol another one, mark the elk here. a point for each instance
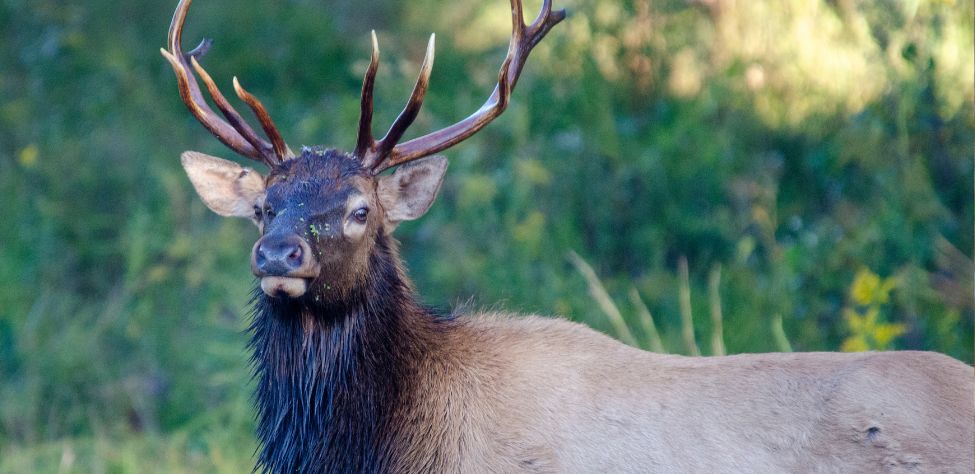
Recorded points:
(354, 374)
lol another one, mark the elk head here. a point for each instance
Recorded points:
(320, 213)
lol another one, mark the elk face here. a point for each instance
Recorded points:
(319, 214)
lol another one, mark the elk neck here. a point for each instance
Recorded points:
(330, 376)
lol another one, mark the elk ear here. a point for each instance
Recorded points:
(225, 187)
(408, 192)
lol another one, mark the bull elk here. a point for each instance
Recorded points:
(354, 374)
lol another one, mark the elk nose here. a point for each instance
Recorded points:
(278, 256)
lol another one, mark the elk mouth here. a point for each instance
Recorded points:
(285, 265)
(283, 286)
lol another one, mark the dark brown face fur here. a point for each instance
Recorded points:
(322, 209)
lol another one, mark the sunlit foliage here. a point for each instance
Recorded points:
(791, 144)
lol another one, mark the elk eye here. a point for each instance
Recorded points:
(360, 215)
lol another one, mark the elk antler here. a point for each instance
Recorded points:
(371, 151)
(236, 134)
(386, 153)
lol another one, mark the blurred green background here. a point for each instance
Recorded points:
(789, 174)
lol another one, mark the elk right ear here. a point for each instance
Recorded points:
(225, 187)
(408, 192)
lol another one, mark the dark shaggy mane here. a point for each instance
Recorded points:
(329, 377)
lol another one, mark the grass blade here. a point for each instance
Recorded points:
(778, 333)
(646, 319)
(717, 324)
(598, 293)
(686, 317)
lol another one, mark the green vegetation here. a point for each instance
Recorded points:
(782, 174)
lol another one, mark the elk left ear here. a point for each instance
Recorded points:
(408, 193)
(224, 186)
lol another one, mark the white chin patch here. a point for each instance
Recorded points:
(284, 286)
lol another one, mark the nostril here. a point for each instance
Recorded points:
(295, 255)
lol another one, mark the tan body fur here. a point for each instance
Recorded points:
(530, 394)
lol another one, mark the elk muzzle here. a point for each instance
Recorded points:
(285, 264)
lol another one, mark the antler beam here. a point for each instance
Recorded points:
(386, 154)
(236, 134)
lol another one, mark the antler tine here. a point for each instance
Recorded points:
(523, 39)
(384, 146)
(236, 121)
(237, 135)
(365, 141)
(543, 17)
(280, 147)
(545, 21)
(517, 23)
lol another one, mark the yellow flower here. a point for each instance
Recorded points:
(867, 332)
(855, 344)
(28, 156)
(868, 288)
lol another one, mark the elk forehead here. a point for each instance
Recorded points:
(319, 182)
